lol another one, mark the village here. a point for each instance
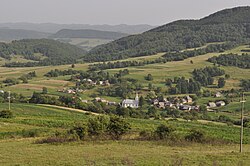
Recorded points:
(184, 103)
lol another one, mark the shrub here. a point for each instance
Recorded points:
(97, 125)
(163, 131)
(118, 127)
(6, 114)
(54, 139)
(195, 136)
(80, 130)
(145, 135)
(30, 133)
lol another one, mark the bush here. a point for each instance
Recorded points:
(30, 133)
(195, 136)
(118, 127)
(145, 135)
(163, 131)
(80, 130)
(97, 125)
(6, 114)
(54, 139)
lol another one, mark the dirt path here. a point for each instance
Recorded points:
(67, 108)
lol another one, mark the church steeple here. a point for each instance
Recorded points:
(137, 97)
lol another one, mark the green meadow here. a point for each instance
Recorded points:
(19, 148)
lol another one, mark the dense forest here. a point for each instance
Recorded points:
(242, 61)
(53, 52)
(179, 35)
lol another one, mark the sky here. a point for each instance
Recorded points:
(113, 12)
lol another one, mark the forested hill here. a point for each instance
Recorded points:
(87, 33)
(226, 25)
(41, 51)
(17, 34)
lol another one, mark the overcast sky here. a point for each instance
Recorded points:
(154, 12)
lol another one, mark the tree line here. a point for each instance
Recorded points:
(179, 56)
(241, 61)
(57, 72)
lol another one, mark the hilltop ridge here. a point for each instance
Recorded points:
(229, 25)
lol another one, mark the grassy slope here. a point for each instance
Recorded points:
(168, 70)
(48, 120)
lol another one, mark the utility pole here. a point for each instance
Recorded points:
(9, 100)
(242, 122)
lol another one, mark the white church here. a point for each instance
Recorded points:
(131, 103)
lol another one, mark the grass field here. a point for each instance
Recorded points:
(119, 153)
(16, 149)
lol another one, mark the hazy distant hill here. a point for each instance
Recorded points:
(17, 34)
(53, 28)
(227, 25)
(87, 33)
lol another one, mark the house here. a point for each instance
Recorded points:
(70, 91)
(111, 103)
(131, 103)
(185, 107)
(161, 104)
(184, 101)
(165, 99)
(189, 99)
(101, 82)
(168, 104)
(178, 105)
(85, 101)
(106, 83)
(211, 105)
(98, 99)
(218, 94)
(155, 101)
(1, 91)
(220, 103)
(104, 101)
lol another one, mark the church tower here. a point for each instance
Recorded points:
(137, 97)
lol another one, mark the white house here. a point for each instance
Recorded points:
(220, 103)
(218, 94)
(131, 103)
(1, 91)
(211, 105)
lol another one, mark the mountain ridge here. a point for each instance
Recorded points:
(7, 34)
(179, 35)
(53, 27)
(87, 33)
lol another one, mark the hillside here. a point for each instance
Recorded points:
(17, 34)
(227, 25)
(42, 51)
(87, 33)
